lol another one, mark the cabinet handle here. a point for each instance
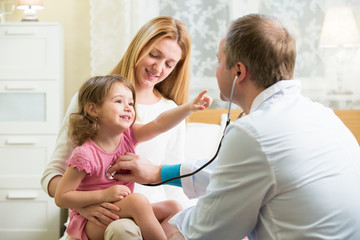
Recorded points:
(19, 87)
(18, 32)
(21, 141)
(22, 195)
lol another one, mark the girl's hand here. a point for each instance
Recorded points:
(101, 215)
(201, 102)
(116, 193)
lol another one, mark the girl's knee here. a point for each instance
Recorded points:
(138, 198)
(137, 201)
(133, 205)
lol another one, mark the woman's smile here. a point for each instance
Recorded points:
(151, 76)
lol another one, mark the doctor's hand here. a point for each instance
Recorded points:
(133, 168)
(100, 214)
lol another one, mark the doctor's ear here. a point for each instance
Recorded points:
(241, 69)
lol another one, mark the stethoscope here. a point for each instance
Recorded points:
(110, 175)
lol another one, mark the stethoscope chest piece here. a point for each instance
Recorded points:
(109, 176)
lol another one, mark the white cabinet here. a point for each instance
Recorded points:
(31, 97)
(30, 51)
(28, 214)
(30, 107)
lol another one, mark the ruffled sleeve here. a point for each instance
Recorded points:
(80, 159)
(132, 136)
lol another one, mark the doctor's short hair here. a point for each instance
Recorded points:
(264, 46)
(82, 124)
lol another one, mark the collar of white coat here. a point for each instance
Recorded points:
(282, 86)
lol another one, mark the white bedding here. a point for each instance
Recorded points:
(202, 139)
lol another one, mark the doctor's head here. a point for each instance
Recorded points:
(257, 47)
(158, 58)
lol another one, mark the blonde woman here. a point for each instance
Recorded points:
(157, 63)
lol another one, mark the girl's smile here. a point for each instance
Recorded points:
(117, 110)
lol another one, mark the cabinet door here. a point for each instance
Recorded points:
(28, 214)
(29, 107)
(30, 51)
(23, 160)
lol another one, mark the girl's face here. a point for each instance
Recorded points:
(157, 64)
(117, 110)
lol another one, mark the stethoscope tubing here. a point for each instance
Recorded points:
(217, 151)
(194, 172)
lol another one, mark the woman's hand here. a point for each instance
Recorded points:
(101, 215)
(133, 168)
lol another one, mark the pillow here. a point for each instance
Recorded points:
(202, 139)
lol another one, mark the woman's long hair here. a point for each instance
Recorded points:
(176, 85)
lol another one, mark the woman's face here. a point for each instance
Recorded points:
(155, 66)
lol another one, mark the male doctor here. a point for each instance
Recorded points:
(289, 169)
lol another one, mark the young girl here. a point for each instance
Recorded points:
(103, 130)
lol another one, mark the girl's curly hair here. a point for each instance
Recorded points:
(83, 125)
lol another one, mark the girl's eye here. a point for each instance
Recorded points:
(118, 101)
(131, 104)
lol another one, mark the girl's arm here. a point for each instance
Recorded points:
(169, 119)
(68, 197)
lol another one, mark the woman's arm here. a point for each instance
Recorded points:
(53, 184)
(61, 153)
(68, 197)
(170, 118)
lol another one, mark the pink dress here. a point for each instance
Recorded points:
(94, 161)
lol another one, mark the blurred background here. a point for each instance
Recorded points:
(96, 34)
